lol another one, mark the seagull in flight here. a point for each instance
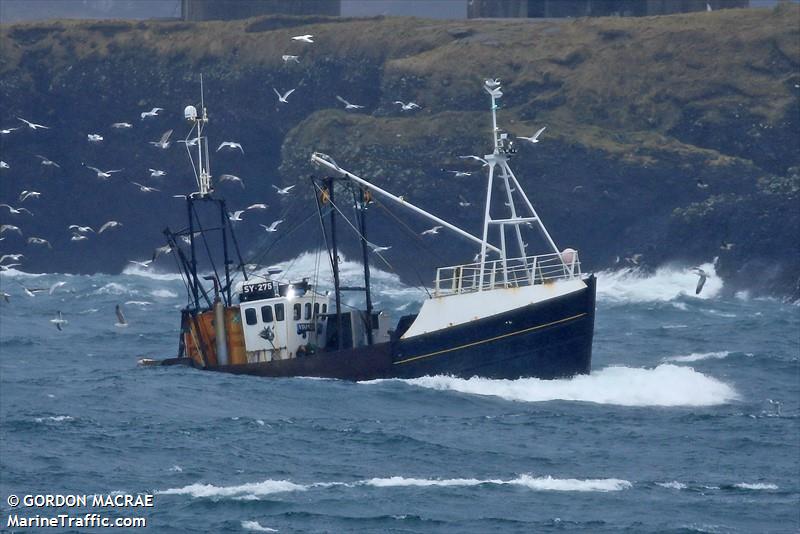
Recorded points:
(144, 188)
(190, 142)
(476, 158)
(282, 97)
(407, 107)
(432, 231)
(162, 143)
(257, 207)
(121, 322)
(46, 161)
(15, 211)
(284, 191)
(231, 178)
(535, 137)
(155, 173)
(272, 227)
(94, 138)
(142, 264)
(152, 113)
(230, 144)
(108, 226)
(122, 125)
(103, 175)
(348, 105)
(463, 202)
(25, 195)
(6, 131)
(702, 281)
(39, 241)
(305, 38)
(460, 174)
(59, 321)
(9, 228)
(236, 215)
(80, 229)
(375, 248)
(287, 58)
(12, 257)
(166, 249)
(56, 286)
(4, 165)
(33, 125)
(78, 237)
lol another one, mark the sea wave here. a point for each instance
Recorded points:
(137, 270)
(755, 486)
(672, 485)
(256, 489)
(255, 526)
(699, 356)
(163, 294)
(665, 385)
(663, 285)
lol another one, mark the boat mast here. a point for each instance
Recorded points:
(361, 198)
(329, 183)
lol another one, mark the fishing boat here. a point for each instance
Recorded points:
(504, 315)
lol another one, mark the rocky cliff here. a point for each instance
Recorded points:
(668, 138)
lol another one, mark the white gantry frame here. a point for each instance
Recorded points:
(498, 167)
(202, 171)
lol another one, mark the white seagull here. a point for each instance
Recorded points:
(162, 143)
(49, 162)
(231, 178)
(432, 231)
(236, 215)
(190, 142)
(144, 188)
(15, 211)
(33, 125)
(256, 207)
(272, 227)
(152, 113)
(4, 165)
(407, 107)
(287, 58)
(282, 97)
(460, 174)
(12, 257)
(121, 322)
(375, 248)
(348, 105)
(80, 229)
(25, 195)
(94, 138)
(155, 173)
(9, 228)
(39, 241)
(108, 226)
(59, 321)
(6, 131)
(78, 237)
(463, 202)
(142, 264)
(476, 158)
(535, 137)
(103, 175)
(56, 286)
(702, 281)
(230, 144)
(122, 125)
(305, 38)
(284, 191)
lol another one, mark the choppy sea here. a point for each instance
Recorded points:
(688, 422)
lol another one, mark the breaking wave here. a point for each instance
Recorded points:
(666, 385)
(137, 270)
(255, 526)
(255, 489)
(665, 284)
(699, 356)
(163, 294)
(757, 486)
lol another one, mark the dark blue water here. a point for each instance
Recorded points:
(689, 423)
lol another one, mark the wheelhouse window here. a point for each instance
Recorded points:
(250, 316)
(316, 309)
(297, 311)
(279, 312)
(266, 314)
(324, 308)
(308, 311)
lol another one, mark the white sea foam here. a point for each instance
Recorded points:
(54, 418)
(138, 303)
(113, 288)
(665, 284)
(255, 526)
(176, 469)
(666, 385)
(672, 485)
(14, 273)
(253, 489)
(164, 294)
(756, 486)
(699, 356)
(137, 270)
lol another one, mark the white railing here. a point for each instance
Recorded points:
(514, 272)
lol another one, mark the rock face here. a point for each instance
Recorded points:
(671, 137)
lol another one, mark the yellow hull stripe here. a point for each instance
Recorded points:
(481, 342)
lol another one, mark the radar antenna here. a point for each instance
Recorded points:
(202, 170)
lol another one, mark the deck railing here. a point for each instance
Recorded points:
(514, 272)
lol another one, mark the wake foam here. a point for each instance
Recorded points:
(255, 526)
(666, 385)
(699, 356)
(757, 486)
(253, 490)
(665, 284)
